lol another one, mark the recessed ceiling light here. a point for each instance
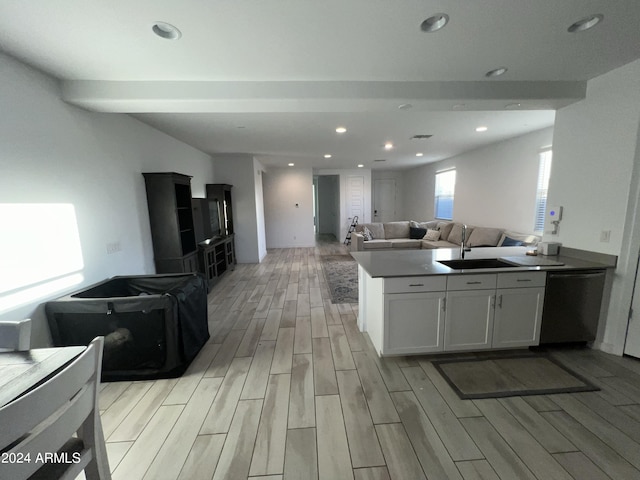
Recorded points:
(291, 164)
(496, 72)
(388, 146)
(419, 154)
(459, 106)
(360, 165)
(481, 129)
(341, 130)
(327, 155)
(513, 106)
(405, 106)
(586, 23)
(434, 23)
(166, 30)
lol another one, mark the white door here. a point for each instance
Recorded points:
(355, 198)
(384, 200)
(632, 343)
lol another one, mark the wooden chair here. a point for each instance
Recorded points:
(40, 426)
(15, 335)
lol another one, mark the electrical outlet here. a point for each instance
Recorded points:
(605, 236)
(113, 247)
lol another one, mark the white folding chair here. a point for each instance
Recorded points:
(40, 426)
(15, 335)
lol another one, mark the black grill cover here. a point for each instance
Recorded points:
(154, 325)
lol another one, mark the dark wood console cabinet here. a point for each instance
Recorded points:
(217, 256)
(171, 219)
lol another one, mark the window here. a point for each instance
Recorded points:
(544, 172)
(445, 186)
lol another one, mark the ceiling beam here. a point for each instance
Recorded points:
(317, 96)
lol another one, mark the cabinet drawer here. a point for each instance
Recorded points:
(471, 282)
(415, 284)
(522, 279)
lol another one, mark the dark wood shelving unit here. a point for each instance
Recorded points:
(171, 218)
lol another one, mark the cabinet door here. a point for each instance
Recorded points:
(518, 317)
(469, 320)
(413, 322)
(190, 263)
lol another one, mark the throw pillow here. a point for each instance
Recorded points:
(433, 235)
(510, 242)
(416, 233)
(366, 233)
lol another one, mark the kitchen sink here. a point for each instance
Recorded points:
(462, 264)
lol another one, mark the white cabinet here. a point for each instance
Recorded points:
(439, 313)
(469, 320)
(414, 322)
(518, 316)
(479, 318)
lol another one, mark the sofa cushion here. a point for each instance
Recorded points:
(396, 230)
(433, 235)
(433, 224)
(416, 233)
(445, 229)
(484, 237)
(376, 244)
(405, 243)
(366, 233)
(429, 244)
(510, 242)
(526, 239)
(456, 234)
(376, 229)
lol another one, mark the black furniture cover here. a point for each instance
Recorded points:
(154, 325)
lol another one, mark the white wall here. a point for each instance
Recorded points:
(54, 153)
(258, 170)
(288, 206)
(244, 173)
(594, 177)
(594, 146)
(495, 185)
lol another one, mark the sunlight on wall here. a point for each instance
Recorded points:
(40, 252)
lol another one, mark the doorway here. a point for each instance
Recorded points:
(327, 205)
(632, 341)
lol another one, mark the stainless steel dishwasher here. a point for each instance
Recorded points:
(572, 306)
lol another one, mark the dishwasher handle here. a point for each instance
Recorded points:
(596, 273)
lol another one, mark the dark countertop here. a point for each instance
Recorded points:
(409, 263)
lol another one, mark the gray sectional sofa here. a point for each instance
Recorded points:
(407, 235)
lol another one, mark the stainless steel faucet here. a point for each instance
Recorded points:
(464, 237)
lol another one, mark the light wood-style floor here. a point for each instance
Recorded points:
(288, 388)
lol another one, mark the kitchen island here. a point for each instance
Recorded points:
(411, 303)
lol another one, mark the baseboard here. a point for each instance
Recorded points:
(270, 247)
(608, 348)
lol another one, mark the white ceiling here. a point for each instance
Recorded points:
(274, 78)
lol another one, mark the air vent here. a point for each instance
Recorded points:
(421, 137)
(381, 160)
